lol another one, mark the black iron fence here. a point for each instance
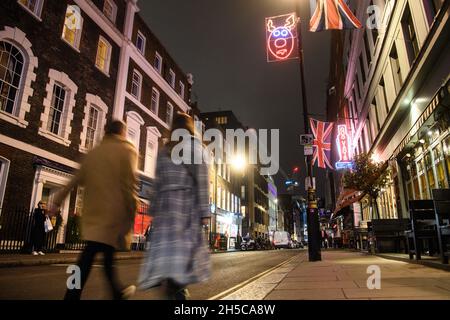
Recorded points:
(16, 231)
(16, 227)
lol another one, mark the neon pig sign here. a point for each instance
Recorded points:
(344, 149)
(281, 35)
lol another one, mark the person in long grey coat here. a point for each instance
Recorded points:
(178, 253)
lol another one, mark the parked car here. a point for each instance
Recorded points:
(281, 239)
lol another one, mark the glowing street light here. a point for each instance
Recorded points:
(238, 162)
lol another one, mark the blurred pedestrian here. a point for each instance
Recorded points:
(38, 231)
(108, 175)
(178, 253)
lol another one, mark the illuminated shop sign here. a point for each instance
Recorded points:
(344, 149)
(281, 36)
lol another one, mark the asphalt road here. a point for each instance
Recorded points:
(49, 282)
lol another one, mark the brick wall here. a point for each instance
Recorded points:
(52, 52)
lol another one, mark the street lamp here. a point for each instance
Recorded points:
(238, 163)
(312, 215)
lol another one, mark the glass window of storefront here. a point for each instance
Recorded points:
(429, 168)
(440, 167)
(446, 149)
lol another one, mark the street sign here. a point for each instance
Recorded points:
(306, 139)
(308, 150)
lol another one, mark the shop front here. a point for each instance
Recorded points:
(227, 230)
(424, 156)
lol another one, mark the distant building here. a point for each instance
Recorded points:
(254, 192)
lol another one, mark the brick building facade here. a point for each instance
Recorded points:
(66, 69)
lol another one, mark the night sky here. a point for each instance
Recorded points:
(222, 43)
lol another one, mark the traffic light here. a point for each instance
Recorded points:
(296, 170)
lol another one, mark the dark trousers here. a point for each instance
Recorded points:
(175, 291)
(85, 265)
(38, 236)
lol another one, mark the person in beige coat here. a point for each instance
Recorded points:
(108, 176)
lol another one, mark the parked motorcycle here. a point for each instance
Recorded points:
(249, 244)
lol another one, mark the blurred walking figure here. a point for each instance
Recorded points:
(178, 253)
(38, 233)
(108, 175)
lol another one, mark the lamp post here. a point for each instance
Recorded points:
(239, 165)
(312, 214)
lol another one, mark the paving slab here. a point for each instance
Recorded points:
(343, 275)
(306, 294)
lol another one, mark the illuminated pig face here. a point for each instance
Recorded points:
(281, 39)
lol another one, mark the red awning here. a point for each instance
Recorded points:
(347, 197)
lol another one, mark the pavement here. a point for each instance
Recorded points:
(343, 275)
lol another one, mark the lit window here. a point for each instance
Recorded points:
(103, 58)
(73, 24)
(169, 114)
(11, 66)
(154, 106)
(181, 90)
(33, 6)
(110, 10)
(136, 85)
(56, 109)
(172, 78)
(158, 62)
(219, 197)
(140, 42)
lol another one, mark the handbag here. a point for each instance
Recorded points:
(48, 225)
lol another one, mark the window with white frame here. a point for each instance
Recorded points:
(56, 109)
(79, 201)
(94, 121)
(151, 151)
(158, 62)
(224, 199)
(4, 168)
(11, 71)
(17, 67)
(396, 70)
(171, 78)
(57, 115)
(134, 123)
(92, 126)
(140, 42)
(73, 25)
(136, 85)
(219, 197)
(154, 104)
(33, 6)
(110, 10)
(103, 58)
(169, 113)
(182, 88)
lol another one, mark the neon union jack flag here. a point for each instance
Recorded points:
(322, 142)
(333, 14)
